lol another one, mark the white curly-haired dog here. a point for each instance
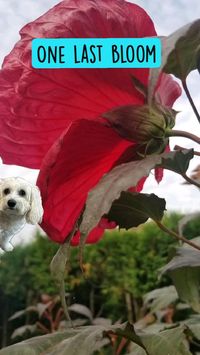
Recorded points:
(20, 203)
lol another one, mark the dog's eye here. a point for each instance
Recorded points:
(22, 193)
(6, 191)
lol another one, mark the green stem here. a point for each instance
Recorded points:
(58, 267)
(176, 236)
(190, 99)
(184, 134)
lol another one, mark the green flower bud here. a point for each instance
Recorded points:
(145, 125)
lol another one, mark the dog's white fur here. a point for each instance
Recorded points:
(26, 207)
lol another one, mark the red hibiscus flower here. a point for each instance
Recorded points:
(51, 119)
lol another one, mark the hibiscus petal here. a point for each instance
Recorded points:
(96, 234)
(159, 172)
(38, 104)
(74, 165)
(167, 91)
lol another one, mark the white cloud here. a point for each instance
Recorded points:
(14, 15)
(169, 15)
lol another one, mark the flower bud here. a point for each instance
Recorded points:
(145, 125)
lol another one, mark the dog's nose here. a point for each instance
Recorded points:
(11, 203)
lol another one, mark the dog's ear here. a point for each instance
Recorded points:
(35, 214)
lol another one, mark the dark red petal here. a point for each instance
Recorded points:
(72, 167)
(159, 172)
(37, 105)
(139, 186)
(167, 91)
(96, 234)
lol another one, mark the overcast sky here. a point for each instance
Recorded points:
(168, 16)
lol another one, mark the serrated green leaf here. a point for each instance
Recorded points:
(168, 342)
(79, 341)
(136, 350)
(184, 269)
(84, 343)
(19, 332)
(37, 345)
(121, 178)
(177, 161)
(86, 340)
(160, 298)
(185, 220)
(193, 325)
(81, 309)
(185, 48)
(129, 333)
(21, 313)
(180, 52)
(109, 188)
(92, 338)
(133, 208)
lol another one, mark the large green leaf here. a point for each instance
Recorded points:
(136, 350)
(180, 52)
(23, 312)
(37, 345)
(171, 341)
(91, 338)
(81, 309)
(193, 324)
(132, 209)
(184, 269)
(177, 161)
(185, 49)
(160, 298)
(79, 341)
(119, 179)
(167, 342)
(86, 340)
(185, 220)
(19, 332)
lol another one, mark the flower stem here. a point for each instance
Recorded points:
(58, 267)
(190, 99)
(178, 133)
(191, 181)
(177, 236)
